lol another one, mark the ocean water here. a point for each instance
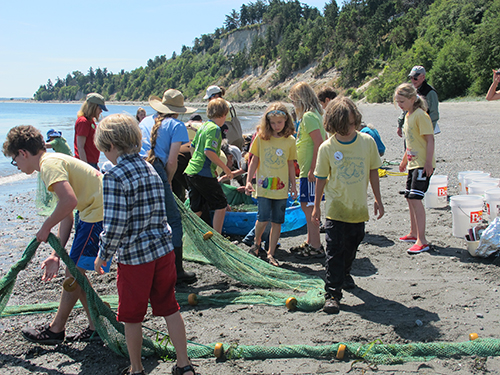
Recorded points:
(62, 117)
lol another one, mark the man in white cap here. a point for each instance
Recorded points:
(417, 76)
(234, 133)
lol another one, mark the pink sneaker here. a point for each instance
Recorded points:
(408, 239)
(415, 249)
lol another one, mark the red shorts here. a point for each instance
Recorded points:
(152, 282)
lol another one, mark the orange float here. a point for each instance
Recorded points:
(291, 303)
(70, 284)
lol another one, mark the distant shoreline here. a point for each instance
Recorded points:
(199, 105)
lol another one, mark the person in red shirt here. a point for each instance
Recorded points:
(85, 127)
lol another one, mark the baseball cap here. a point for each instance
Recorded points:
(416, 71)
(53, 133)
(97, 99)
(212, 90)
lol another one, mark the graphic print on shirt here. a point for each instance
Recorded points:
(350, 169)
(274, 158)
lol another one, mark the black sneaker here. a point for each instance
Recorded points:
(332, 306)
(186, 277)
(348, 282)
(87, 335)
(42, 335)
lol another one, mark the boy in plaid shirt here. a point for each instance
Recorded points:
(136, 229)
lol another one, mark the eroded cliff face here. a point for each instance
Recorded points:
(239, 39)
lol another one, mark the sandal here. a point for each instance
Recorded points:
(176, 370)
(300, 248)
(310, 252)
(258, 251)
(128, 371)
(272, 260)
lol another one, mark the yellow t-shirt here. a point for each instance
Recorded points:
(85, 180)
(347, 168)
(272, 172)
(415, 127)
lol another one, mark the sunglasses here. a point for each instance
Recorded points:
(415, 77)
(14, 162)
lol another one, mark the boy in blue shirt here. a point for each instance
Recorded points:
(136, 229)
(346, 162)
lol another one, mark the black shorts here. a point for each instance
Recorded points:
(416, 184)
(205, 191)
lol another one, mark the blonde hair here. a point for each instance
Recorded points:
(408, 91)
(304, 99)
(217, 108)
(337, 116)
(120, 131)
(154, 133)
(264, 129)
(88, 110)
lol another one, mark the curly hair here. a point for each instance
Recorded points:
(23, 137)
(264, 129)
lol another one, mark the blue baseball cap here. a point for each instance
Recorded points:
(53, 133)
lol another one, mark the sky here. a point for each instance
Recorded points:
(41, 40)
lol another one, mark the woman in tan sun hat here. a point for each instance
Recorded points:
(163, 137)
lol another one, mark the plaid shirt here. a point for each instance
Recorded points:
(135, 220)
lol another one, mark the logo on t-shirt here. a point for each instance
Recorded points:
(215, 144)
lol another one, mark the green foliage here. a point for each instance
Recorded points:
(457, 41)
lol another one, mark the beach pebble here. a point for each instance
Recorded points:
(419, 323)
(479, 315)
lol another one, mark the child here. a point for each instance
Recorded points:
(347, 161)
(273, 153)
(201, 177)
(419, 158)
(310, 135)
(56, 141)
(135, 227)
(76, 185)
(326, 95)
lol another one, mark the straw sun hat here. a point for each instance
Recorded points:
(172, 102)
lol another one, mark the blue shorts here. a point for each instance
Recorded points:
(86, 245)
(272, 210)
(307, 191)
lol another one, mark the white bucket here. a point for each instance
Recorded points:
(488, 179)
(468, 178)
(467, 211)
(478, 188)
(437, 193)
(492, 197)
(461, 184)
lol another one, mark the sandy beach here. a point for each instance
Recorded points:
(438, 296)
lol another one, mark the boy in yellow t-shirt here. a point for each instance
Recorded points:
(76, 185)
(347, 161)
